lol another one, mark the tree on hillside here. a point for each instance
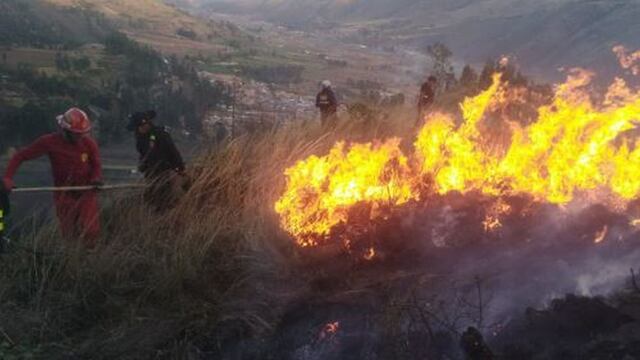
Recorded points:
(187, 33)
(142, 79)
(487, 72)
(118, 43)
(469, 76)
(442, 68)
(510, 74)
(62, 62)
(82, 64)
(24, 124)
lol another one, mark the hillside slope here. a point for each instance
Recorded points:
(162, 26)
(57, 54)
(38, 23)
(573, 34)
(543, 35)
(441, 11)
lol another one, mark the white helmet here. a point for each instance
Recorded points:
(326, 84)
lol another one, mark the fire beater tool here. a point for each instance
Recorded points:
(5, 203)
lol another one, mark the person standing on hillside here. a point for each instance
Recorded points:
(75, 161)
(327, 102)
(160, 160)
(426, 98)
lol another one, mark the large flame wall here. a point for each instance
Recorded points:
(575, 147)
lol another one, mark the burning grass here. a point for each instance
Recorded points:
(160, 282)
(577, 149)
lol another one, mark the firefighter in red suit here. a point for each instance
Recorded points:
(75, 161)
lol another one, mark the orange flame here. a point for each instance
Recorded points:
(628, 60)
(570, 148)
(329, 330)
(575, 148)
(321, 190)
(496, 211)
(371, 253)
(600, 235)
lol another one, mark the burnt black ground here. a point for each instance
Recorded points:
(413, 300)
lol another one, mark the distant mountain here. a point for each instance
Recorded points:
(41, 24)
(542, 34)
(560, 35)
(153, 22)
(304, 11)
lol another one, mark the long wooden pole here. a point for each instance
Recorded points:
(79, 188)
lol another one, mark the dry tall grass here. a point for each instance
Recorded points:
(160, 282)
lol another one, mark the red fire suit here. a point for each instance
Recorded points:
(72, 164)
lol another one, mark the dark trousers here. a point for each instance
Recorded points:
(165, 189)
(328, 120)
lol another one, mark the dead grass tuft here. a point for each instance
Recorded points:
(158, 282)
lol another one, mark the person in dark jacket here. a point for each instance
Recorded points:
(426, 98)
(327, 102)
(160, 160)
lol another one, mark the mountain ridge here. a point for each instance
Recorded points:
(164, 27)
(542, 35)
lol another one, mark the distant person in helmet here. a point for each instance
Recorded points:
(426, 98)
(327, 102)
(75, 161)
(160, 160)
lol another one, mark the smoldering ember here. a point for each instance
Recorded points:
(312, 180)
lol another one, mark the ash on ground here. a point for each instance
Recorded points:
(546, 283)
